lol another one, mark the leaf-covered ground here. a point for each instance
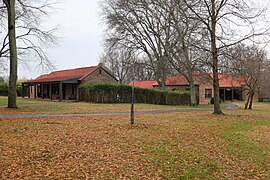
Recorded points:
(163, 146)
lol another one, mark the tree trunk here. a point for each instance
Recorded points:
(251, 101)
(163, 81)
(247, 103)
(12, 90)
(217, 109)
(193, 98)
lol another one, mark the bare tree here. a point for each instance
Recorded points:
(141, 25)
(119, 61)
(32, 38)
(249, 62)
(264, 84)
(23, 17)
(143, 69)
(12, 88)
(228, 22)
(182, 47)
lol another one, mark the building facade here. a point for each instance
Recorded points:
(64, 85)
(230, 88)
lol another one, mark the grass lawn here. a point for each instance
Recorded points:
(195, 145)
(20, 101)
(26, 107)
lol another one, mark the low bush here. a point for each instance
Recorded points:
(3, 89)
(119, 93)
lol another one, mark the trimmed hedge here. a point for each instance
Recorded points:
(118, 93)
(3, 89)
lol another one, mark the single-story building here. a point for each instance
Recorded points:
(264, 89)
(230, 88)
(64, 84)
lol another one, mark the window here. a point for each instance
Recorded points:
(100, 72)
(208, 93)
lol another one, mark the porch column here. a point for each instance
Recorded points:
(47, 91)
(78, 92)
(22, 90)
(29, 91)
(51, 91)
(42, 90)
(60, 91)
(35, 91)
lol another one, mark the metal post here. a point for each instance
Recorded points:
(132, 97)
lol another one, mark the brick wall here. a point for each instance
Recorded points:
(202, 88)
(99, 75)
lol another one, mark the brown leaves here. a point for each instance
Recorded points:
(161, 146)
(70, 148)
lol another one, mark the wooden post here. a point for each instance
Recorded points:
(51, 91)
(29, 90)
(60, 91)
(35, 91)
(77, 91)
(47, 91)
(42, 90)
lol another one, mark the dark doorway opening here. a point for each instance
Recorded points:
(64, 91)
(230, 94)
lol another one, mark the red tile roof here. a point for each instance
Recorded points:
(230, 81)
(224, 80)
(143, 84)
(174, 81)
(199, 78)
(63, 75)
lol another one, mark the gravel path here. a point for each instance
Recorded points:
(27, 105)
(23, 116)
(229, 106)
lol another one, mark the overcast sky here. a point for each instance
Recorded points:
(81, 39)
(81, 32)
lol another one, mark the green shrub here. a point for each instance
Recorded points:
(119, 93)
(3, 89)
(3, 86)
